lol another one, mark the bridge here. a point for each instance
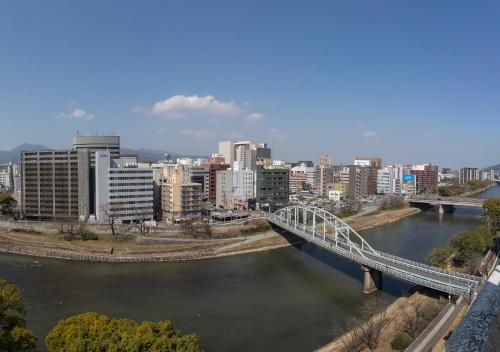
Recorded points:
(446, 204)
(324, 229)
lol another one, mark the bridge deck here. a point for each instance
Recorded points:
(411, 271)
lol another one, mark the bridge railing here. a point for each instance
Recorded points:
(342, 248)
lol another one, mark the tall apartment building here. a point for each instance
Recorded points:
(426, 178)
(271, 186)
(388, 181)
(214, 166)
(246, 152)
(5, 180)
(122, 192)
(324, 175)
(243, 183)
(224, 193)
(468, 174)
(201, 175)
(55, 184)
(358, 182)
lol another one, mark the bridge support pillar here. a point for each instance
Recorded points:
(445, 209)
(372, 280)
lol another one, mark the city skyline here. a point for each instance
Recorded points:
(398, 81)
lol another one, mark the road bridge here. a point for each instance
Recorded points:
(446, 204)
(324, 229)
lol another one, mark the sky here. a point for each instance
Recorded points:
(408, 81)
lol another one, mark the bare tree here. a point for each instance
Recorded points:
(350, 340)
(413, 316)
(374, 314)
(142, 215)
(110, 217)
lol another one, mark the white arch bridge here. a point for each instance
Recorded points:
(324, 229)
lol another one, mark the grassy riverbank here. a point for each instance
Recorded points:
(406, 316)
(255, 236)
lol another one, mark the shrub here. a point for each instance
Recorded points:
(401, 341)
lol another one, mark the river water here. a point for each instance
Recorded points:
(288, 299)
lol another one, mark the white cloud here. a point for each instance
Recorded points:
(199, 134)
(179, 106)
(279, 134)
(255, 117)
(370, 134)
(161, 131)
(76, 114)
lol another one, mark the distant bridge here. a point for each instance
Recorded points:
(446, 204)
(324, 229)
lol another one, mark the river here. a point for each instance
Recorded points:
(282, 300)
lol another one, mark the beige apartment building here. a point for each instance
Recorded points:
(181, 200)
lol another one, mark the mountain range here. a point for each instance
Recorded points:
(143, 154)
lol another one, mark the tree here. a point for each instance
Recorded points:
(439, 256)
(14, 337)
(492, 212)
(142, 215)
(92, 332)
(110, 217)
(366, 326)
(8, 204)
(477, 240)
(413, 318)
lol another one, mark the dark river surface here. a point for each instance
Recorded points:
(282, 300)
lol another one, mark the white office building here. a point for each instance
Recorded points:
(122, 192)
(5, 180)
(389, 179)
(243, 182)
(224, 189)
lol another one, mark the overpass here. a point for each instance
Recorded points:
(324, 229)
(446, 204)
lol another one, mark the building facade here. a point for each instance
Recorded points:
(125, 193)
(271, 186)
(468, 174)
(55, 184)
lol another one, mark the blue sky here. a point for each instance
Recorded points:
(407, 81)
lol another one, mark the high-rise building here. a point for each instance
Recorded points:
(125, 193)
(324, 175)
(55, 184)
(224, 192)
(201, 175)
(426, 178)
(246, 152)
(468, 174)
(212, 179)
(98, 143)
(92, 144)
(272, 186)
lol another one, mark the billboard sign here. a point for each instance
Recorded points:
(408, 178)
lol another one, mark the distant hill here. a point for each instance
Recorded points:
(494, 167)
(14, 154)
(143, 154)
